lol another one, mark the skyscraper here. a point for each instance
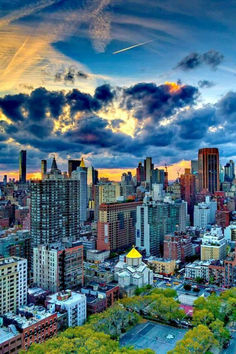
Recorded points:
(148, 167)
(55, 208)
(208, 169)
(43, 168)
(22, 166)
(229, 171)
(72, 166)
(140, 174)
(80, 174)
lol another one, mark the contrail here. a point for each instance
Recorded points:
(15, 55)
(133, 46)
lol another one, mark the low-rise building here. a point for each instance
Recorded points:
(197, 269)
(162, 265)
(109, 292)
(97, 256)
(10, 340)
(35, 324)
(74, 304)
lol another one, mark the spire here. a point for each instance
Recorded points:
(54, 165)
(82, 164)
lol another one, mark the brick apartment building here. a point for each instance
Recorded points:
(116, 225)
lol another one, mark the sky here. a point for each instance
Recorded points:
(115, 81)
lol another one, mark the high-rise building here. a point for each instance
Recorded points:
(108, 193)
(208, 169)
(177, 246)
(229, 170)
(80, 174)
(154, 220)
(55, 208)
(148, 167)
(92, 175)
(58, 267)
(213, 245)
(140, 174)
(116, 226)
(187, 183)
(13, 284)
(22, 166)
(158, 176)
(194, 167)
(43, 168)
(204, 213)
(72, 166)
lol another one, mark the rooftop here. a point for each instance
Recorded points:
(68, 297)
(39, 313)
(7, 333)
(9, 260)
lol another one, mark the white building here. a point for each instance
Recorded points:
(213, 245)
(131, 270)
(204, 213)
(197, 269)
(74, 303)
(157, 191)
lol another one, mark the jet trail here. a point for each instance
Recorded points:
(131, 47)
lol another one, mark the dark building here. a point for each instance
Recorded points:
(140, 174)
(22, 166)
(208, 169)
(72, 166)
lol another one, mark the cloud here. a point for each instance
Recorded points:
(212, 58)
(47, 121)
(158, 102)
(205, 84)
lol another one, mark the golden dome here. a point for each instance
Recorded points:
(134, 254)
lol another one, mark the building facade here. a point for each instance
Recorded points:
(116, 226)
(13, 283)
(208, 169)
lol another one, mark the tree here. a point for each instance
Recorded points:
(82, 340)
(204, 317)
(197, 341)
(221, 334)
(187, 287)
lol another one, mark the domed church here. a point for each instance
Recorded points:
(131, 271)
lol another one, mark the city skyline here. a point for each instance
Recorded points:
(116, 83)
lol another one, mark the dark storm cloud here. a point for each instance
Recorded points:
(157, 102)
(205, 84)
(212, 58)
(33, 117)
(227, 108)
(11, 106)
(195, 123)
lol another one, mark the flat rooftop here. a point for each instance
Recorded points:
(7, 333)
(158, 337)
